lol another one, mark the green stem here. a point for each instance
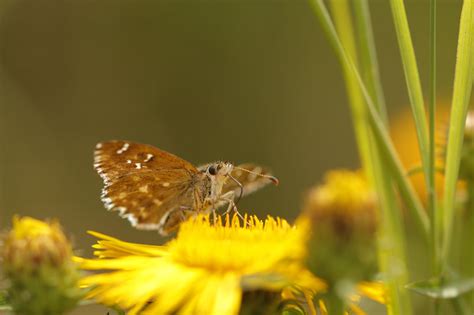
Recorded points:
(413, 81)
(376, 124)
(460, 308)
(460, 102)
(468, 243)
(335, 305)
(391, 240)
(368, 56)
(390, 249)
(431, 188)
(343, 23)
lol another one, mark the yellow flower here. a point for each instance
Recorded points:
(344, 201)
(37, 264)
(371, 290)
(205, 270)
(342, 213)
(374, 291)
(403, 132)
(32, 241)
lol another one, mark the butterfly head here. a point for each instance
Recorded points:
(219, 169)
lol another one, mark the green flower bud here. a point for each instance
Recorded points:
(343, 218)
(37, 263)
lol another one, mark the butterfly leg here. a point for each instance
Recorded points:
(214, 214)
(229, 198)
(183, 211)
(178, 215)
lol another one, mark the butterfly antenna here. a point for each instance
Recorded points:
(240, 186)
(273, 179)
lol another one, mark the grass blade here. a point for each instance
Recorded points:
(368, 56)
(413, 80)
(461, 94)
(376, 123)
(391, 239)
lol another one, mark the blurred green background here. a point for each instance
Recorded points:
(239, 80)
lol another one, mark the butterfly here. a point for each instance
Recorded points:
(156, 190)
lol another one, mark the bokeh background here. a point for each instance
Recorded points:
(240, 80)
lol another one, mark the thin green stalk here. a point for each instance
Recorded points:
(468, 262)
(391, 240)
(391, 252)
(459, 307)
(343, 23)
(432, 121)
(413, 80)
(460, 102)
(406, 189)
(335, 304)
(368, 56)
(376, 123)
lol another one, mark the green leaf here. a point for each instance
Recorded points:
(412, 78)
(436, 289)
(463, 80)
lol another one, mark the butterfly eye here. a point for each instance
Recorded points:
(212, 170)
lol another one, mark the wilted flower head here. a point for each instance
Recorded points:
(344, 203)
(205, 270)
(37, 263)
(343, 218)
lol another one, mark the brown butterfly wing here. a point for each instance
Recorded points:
(146, 184)
(250, 182)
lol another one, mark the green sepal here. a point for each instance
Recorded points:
(437, 289)
(291, 307)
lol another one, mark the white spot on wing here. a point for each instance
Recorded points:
(149, 156)
(165, 184)
(138, 166)
(132, 220)
(124, 148)
(121, 210)
(148, 226)
(98, 145)
(129, 161)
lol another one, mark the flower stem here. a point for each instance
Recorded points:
(461, 94)
(391, 240)
(368, 56)
(377, 126)
(431, 188)
(413, 81)
(468, 264)
(335, 304)
(343, 23)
